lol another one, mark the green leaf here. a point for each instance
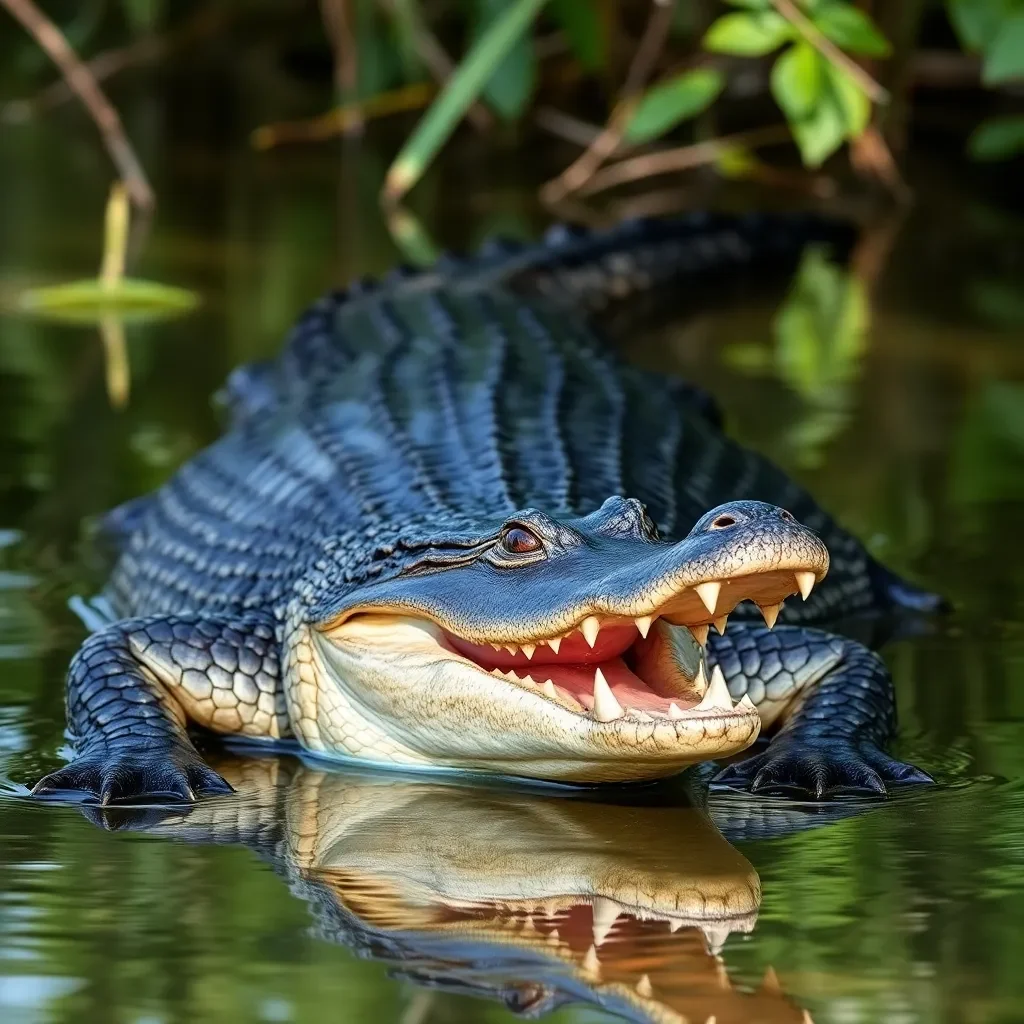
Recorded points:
(997, 138)
(751, 5)
(1004, 55)
(797, 80)
(748, 34)
(584, 28)
(851, 29)
(851, 98)
(667, 103)
(822, 132)
(510, 86)
(458, 95)
(975, 21)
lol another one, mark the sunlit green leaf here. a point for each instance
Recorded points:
(664, 105)
(851, 29)
(998, 138)
(797, 80)
(1004, 55)
(748, 34)
(822, 132)
(851, 98)
(90, 300)
(510, 85)
(584, 28)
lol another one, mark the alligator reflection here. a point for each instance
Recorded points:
(533, 900)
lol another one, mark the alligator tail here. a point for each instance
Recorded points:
(591, 269)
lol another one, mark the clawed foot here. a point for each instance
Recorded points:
(819, 769)
(136, 776)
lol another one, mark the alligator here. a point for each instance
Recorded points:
(535, 899)
(448, 528)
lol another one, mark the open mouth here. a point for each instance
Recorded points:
(634, 684)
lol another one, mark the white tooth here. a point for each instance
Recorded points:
(512, 674)
(717, 696)
(512, 649)
(549, 689)
(644, 624)
(606, 913)
(590, 962)
(674, 712)
(528, 650)
(721, 623)
(497, 647)
(640, 714)
(554, 643)
(700, 680)
(715, 937)
(700, 633)
(675, 925)
(770, 613)
(590, 627)
(644, 987)
(708, 593)
(805, 583)
(606, 707)
(746, 703)
(528, 680)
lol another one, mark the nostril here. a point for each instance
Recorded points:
(721, 522)
(783, 514)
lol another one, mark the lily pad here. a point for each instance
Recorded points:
(91, 300)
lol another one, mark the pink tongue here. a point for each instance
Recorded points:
(612, 641)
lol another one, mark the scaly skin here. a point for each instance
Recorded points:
(357, 524)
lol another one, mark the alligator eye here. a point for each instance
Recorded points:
(721, 522)
(519, 541)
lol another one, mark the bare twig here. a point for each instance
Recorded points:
(435, 58)
(580, 170)
(148, 49)
(565, 126)
(79, 78)
(683, 158)
(337, 18)
(872, 158)
(789, 10)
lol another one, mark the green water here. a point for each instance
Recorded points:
(896, 394)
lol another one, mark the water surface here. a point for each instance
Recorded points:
(895, 392)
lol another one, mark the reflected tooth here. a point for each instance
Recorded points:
(643, 623)
(590, 627)
(717, 697)
(644, 987)
(606, 707)
(770, 613)
(553, 938)
(606, 913)
(770, 982)
(721, 623)
(700, 633)
(746, 703)
(805, 583)
(674, 925)
(554, 643)
(674, 712)
(591, 964)
(708, 593)
(528, 650)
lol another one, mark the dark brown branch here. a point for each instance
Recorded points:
(80, 79)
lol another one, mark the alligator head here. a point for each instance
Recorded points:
(561, 648)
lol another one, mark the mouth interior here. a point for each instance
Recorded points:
(619, 652)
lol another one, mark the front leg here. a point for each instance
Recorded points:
(133, 688)
(832, 702)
